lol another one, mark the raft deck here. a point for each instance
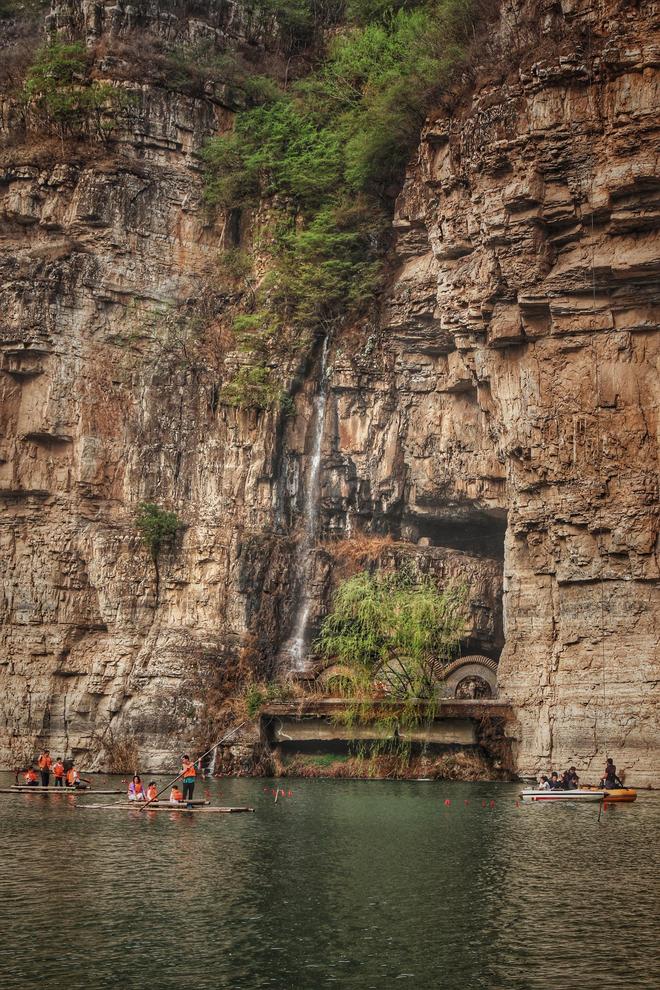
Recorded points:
(163, 804)
(24, 789)
(176, 808)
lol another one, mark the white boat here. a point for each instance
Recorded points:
(578, 795)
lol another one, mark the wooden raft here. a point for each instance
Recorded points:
(176, 808)
(24, 789)
(163, 804)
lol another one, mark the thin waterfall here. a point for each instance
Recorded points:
(294, 647)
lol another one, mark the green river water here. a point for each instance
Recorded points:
(355, 884)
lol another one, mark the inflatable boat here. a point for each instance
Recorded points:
(579, 795)
(621, 794)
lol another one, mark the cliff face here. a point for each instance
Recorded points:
(529, 229)
(496, 415)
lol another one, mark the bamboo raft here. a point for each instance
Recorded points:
(163, 804)
(24, 789)
(176, 808)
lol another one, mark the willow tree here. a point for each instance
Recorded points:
(393, 631)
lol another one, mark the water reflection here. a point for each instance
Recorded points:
(345, 884)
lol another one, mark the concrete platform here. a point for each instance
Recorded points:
(456, 723)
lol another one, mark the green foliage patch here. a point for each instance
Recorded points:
(392, 630)
(156, 526)
(330, 151)
(58, 91)
(255, 387)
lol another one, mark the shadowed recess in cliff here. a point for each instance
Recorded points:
(470, 530)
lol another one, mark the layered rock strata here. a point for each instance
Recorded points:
(495, 416)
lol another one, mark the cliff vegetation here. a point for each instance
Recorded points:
(326, 153)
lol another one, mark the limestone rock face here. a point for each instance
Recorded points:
(524, 316)
(496, 416)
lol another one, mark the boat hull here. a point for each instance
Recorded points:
(534, 796)
(621, 794)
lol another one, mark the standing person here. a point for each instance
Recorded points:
(31, 778)
(136, 791)
(58, 772)
(44, 764)
(188, 773)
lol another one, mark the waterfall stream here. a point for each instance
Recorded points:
(294, 647)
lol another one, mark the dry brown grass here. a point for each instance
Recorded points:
(122, 754)
(462, 765)
(357, 552)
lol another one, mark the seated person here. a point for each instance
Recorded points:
(609, 778)
(31, 778)
(572, 779)
(73, 779)
(136, 790)
(554, 782)
(152, 791)
(176, 796)
(544, 785)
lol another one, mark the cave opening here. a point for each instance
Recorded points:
(474, 531)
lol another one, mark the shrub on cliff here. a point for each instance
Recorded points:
(255, 387)
(58, 92)
(390, 630)
(156, 526)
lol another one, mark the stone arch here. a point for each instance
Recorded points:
(475, 666)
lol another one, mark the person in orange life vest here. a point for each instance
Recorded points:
(152, 791)
(188, 773)
(31, 778)
(136, 791)
(58, 772)
(176, 796)
(73, 779)
(44, 764)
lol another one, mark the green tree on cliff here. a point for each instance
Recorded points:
(393, 630)
(157, 527)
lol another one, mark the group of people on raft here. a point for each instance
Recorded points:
(138, 792)
(569, 780)
(63, 777)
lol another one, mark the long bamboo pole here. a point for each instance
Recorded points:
(199, 759)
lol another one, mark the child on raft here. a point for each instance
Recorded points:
(136, 789)
(176, 796)
(58, 772)
(152, 791)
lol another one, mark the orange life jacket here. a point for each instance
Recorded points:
(45, 762)
(31, 775)
(152, 792)
(176, 794)
(189, 771)
(58, 769)
(72, 776)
